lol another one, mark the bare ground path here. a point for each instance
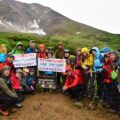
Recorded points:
(46, 106)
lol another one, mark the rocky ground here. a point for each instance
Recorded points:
(46, 106)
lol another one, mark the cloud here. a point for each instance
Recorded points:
(102, 14)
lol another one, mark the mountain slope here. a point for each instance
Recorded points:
(23, 17)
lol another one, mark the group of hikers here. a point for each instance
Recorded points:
(91, 73)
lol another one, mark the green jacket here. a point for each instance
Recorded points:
(16, 51)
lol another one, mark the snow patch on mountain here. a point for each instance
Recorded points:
(1, 23)
(31, 27)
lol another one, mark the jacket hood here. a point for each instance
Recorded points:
(60, 43)
(97, 52)
(78, 49)
(8, 64)
(105, 50)
(68, 68)
(107, 55)
(41, 46)
(85, 50)
(116, 55)
(5, 67)
(19, 43)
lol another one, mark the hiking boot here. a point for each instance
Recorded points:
(33, 93)
(111, 111)
(58, 90)
(4, 113)
(21, 99)
(96, 97)
(12, 110)
(66, 94)
(92, 106)
(118, 113)
(105, 105)
(18, 105)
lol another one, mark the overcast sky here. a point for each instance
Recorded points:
(102, 14)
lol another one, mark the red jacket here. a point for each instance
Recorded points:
(80, 73)
(77, 61)
(1, 65)
(8, 64)
(107, 72)
(75, 79)
(41, 55)
(11, 67)
(15, 82)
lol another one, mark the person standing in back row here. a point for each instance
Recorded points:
(59, 55)
(41, 54)
(18, 49)
(97, 67)
(3, 53)
(32, 49)
(77, 58)
(86, 63)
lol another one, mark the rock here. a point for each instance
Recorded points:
(78, 104)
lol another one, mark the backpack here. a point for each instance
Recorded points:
(114, 75)
(118, 86)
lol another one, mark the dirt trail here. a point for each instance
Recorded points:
(47, 106)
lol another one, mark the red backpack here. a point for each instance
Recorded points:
(1, 65)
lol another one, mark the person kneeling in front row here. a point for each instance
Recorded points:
(74, 84)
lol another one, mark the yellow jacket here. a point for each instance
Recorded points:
(89, 60)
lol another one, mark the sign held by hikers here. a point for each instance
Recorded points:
(55, 65)
(25, 60)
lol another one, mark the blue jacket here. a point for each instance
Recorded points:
(49, 73)
(2, 57)
(31, 50)
(30, 80)
(105, 50)
(98, 60)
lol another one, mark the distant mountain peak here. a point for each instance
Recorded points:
(7, 0)
(17, 16)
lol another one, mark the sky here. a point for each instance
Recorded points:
(101, 14)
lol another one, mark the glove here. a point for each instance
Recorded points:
(85, 67)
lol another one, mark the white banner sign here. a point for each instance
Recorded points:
(55, 65)
(25, 60)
